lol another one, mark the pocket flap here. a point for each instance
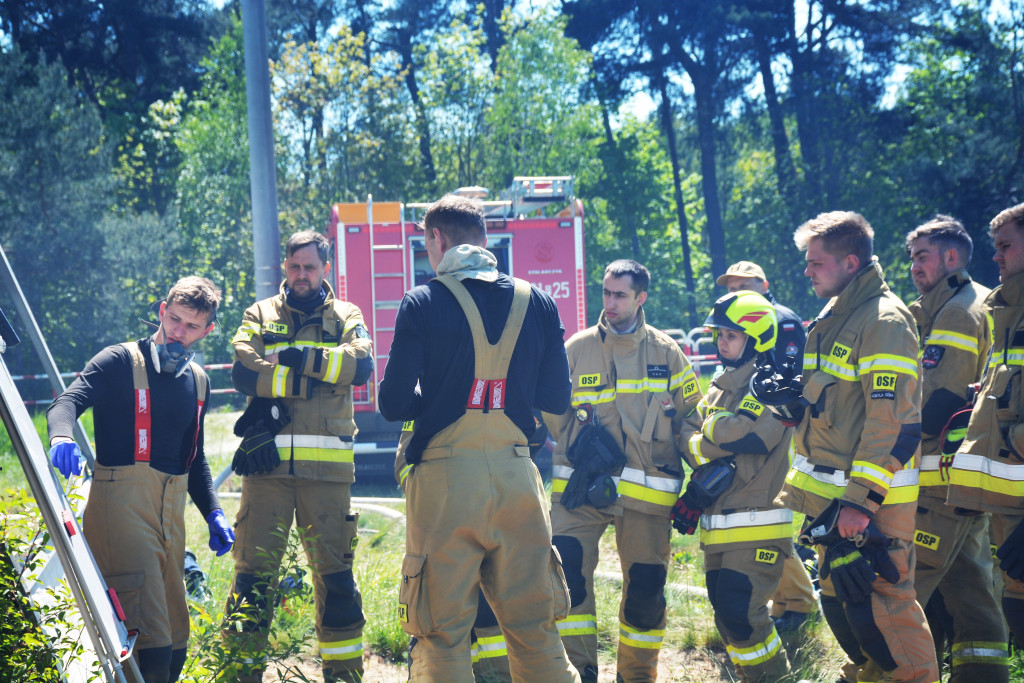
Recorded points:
(816, 385)
(338, 427)
(126, 582)
(523, 451)
(412, 566)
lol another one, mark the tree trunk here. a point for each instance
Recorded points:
(785, 172)
(422, 125)
(704, 101)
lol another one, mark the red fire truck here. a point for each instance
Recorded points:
(535, 230)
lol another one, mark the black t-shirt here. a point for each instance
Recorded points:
(433, 347)
(107, 387)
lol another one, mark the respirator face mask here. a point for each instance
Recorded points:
(171, 358)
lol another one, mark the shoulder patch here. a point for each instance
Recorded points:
(690, 388)
(883, 385)
(750, 406)
(932, 356)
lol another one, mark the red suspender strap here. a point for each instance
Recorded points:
(143, 406)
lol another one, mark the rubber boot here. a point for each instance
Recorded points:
(155, 664)
(177, 664)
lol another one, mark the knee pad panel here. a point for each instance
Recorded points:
(835, 617)
(1013, 610)
(645, 596)
(732, 602)
(342, 606)
(872, 642)
(249, 600)
(571, 552)
(485, 617)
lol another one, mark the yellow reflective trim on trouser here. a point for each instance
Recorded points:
(980, 652)
(695, 442)
(768, 532)
(862, 469)
(491, 646)
(647, 640)
(279, 380)
(577, 625)
(649, 495)
(756, 654)
(558, 485)
(342, 649)
(952, 339)
(886, 362)
(403, 473)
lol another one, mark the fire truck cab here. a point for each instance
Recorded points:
(535, 230)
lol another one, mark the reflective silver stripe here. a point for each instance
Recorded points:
(837, 478)
(907, 477)
(987, 652)
(979, 463)
(929, 463)
(636, 476)
(341, 443)
(745, 518)
(561, 471)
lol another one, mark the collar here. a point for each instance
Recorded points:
(733, 379)
(1010, 293)
(469, 262)
(328, 291)
(608, 333)
(928, 305)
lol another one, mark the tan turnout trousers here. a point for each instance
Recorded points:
(478, 518)
(795, 592)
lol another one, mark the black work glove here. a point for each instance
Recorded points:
(291, 357)
(1011, 554)
(791, 413)
(257, 454)
(854, 569)
(685, 518)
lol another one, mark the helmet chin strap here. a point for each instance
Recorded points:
(170, 358)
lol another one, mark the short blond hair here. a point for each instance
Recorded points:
(197, 293)
(1015, 214)
(842, 233)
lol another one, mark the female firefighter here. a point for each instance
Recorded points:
(740, 459)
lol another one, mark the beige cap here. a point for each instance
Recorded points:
(742, 269)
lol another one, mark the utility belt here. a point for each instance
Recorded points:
(595, 456)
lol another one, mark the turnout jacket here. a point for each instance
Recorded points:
(634, 383)
(734, 423)
(860, 434)
(955, 338)
(336, 354)
(988, 470)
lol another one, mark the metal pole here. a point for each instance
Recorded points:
(266, 239)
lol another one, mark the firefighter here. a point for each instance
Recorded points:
(301, 350)
(858, 431)
(952, 543)
(794, 599)
(149, 402)
(744, 534)
(616, 463)
(474, 352)
(988, 469)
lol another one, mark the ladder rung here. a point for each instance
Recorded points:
(386, 305)
(387, 247)
(385, 329)
(390, 275)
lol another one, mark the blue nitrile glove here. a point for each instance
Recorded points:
(67, 458)
(222, 536)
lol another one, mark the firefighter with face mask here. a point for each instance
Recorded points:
(854, 474)
(740, 458)
(616, 463)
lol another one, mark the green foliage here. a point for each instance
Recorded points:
(34, 637)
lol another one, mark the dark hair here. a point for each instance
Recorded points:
(197, 293)
(460, 220)
(842, 233)
(945, 232)
(306, 238)
(1014, 214)
(640, 276)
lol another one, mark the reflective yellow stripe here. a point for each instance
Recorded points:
(978, 472)
(579, 397)
(577, 625)
(695, 442)
(827, 485)
(352, 324)
(628, 489)
(558, 485)
(639, 386)
(342, 649)
(335, 357)
(888, 362)
(246, 331)
(862, 469)
(491, 646)
(279, 380)
(403, 473)
(844, 371)
(1014, 356)
(905, 486)
(751, 533)
(980, 652)
(756, 654)
(709, 425)
(681, 378)
(647, 640)
(953, 339)
(314, 447)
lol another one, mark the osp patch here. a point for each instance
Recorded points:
(883, 385)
